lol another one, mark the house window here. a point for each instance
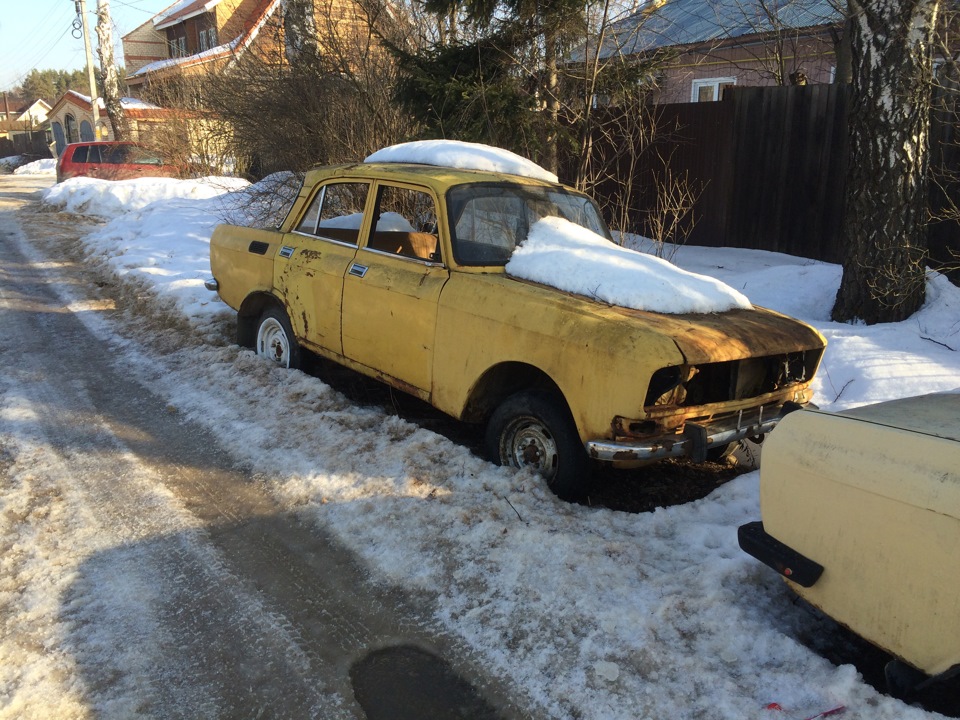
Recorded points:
(208, 39)
(71, 124)
(710, 89)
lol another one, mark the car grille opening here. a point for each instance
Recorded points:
(731, 380)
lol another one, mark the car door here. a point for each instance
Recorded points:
(392, 287)
(314, 258)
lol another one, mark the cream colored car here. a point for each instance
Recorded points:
(861, 515)
(397, 271)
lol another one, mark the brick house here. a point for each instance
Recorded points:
(192, 36)
(704, 46)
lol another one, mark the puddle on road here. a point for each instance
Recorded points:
(408, 683)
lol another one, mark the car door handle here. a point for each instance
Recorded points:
(358, 270)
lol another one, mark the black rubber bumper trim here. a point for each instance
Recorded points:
(797, 568)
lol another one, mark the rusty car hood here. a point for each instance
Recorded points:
(731, 335)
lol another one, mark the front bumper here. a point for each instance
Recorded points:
(695, 440)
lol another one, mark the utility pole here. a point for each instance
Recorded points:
(81, 6)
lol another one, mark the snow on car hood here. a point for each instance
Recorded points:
(569, 257)
(462, 155)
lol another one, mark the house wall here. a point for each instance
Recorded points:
(143, 46)
(749, 64)
(36, 114)
(234, 17)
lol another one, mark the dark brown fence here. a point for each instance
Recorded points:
(32, 144)
(771, 163)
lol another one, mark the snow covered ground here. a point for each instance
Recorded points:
(592, 613)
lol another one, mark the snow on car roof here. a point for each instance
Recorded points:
(569, 257)
(463, 156)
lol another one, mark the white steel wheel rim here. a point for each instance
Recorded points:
(531, 444)
(273, 343)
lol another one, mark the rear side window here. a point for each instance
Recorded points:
(80, 154)
(116, 154)
(93, 154)
(336, 212)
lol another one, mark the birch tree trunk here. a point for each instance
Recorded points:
(108, 71)
(299, 31)
(884, 227)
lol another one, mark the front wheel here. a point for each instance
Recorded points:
(535, 430)
(275, 340)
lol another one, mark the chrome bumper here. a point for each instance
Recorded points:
(211, 284)
(695, 440)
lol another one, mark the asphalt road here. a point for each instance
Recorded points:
(190, 593)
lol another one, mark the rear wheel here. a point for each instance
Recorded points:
(535, 430)
(275, 339)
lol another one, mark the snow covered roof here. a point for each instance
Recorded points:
(201, 57)
(128, 103)
(180, 11)
(687, 22)
(463, 156)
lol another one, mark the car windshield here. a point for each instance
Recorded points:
(489, 220)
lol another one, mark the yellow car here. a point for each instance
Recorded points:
(397, 271)
(861, 516)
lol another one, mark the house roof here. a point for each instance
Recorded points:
(180, 11)
(83, 101)
(690, 22)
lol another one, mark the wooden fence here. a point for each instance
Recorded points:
(771, 166)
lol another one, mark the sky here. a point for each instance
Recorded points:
(39, 34)
(588, 612)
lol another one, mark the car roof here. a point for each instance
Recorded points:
(103, 142)
(438, 177)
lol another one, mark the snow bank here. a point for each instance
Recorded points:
(110, 198)
(462, 155)
(38, 167)
(564, 255)
(160, 230)
(8, 163)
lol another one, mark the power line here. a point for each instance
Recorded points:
(46, 28)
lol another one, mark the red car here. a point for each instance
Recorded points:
(111, 161)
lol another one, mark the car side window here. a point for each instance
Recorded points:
(336, 212)
(406, 224)
(80, 154)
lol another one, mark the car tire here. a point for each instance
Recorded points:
(275, 339)
(720, 453)
(533, 429)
